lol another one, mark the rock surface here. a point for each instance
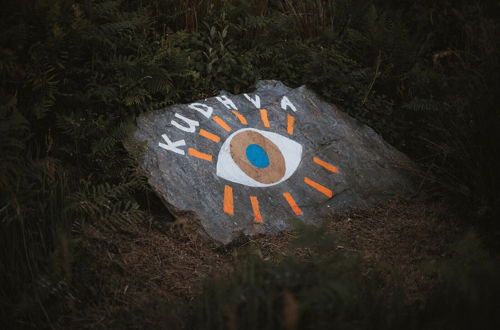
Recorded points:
(249, 163)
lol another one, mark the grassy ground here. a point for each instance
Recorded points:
(133, 276)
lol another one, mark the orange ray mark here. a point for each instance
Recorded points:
(256, 210)
(198, 154)
(209, 135)
(318, 187)
(296, 209)
(222, 123)
(263, 117)
(228, 200)
(329, 167)
(240, 117)
(291, 121)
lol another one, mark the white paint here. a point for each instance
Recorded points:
(172, 146)
(204, 109)
(227, 102)
(255, 102)
(228, 169)
(191, 128)
(285, 103)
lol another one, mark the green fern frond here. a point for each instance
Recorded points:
(421, 104)
(106, 204)
(159, 83)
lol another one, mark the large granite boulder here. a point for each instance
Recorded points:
(246, 164)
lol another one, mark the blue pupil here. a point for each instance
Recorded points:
(257, 156)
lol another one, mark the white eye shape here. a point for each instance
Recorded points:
(257, 158)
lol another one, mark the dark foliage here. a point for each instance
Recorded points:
(75, 74)
(329, 288)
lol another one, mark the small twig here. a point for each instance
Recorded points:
(375, 76)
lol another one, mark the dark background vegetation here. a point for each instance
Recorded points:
(76, 74)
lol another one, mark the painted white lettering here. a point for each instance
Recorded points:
(255, 102)
(172, 146)
(285, 102)
(191, 128)
(204, 109)
(227, 102)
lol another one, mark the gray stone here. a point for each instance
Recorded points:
(222, 182)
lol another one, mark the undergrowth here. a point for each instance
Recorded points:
(327, 287)
(75, 75)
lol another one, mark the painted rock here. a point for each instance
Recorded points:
(250, 163)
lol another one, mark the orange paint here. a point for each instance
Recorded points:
(263, 117)
(228, 200)
(198, 154)
(240, 117)
(318, 187)
(329, 167)
(256, 210)
(209, 135)
(291, 122)
(222, 123)
(296, 209)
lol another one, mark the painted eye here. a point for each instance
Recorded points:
(258, 158)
